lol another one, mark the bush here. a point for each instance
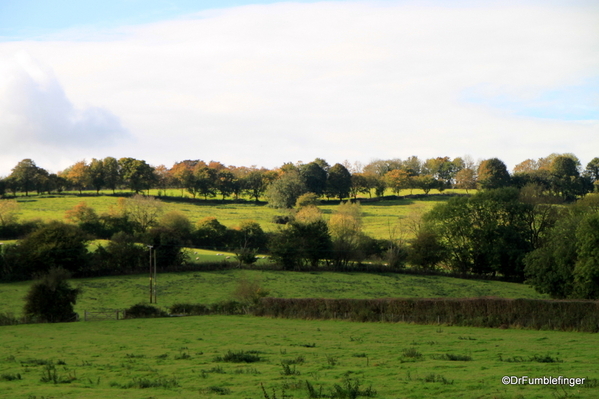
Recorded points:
(143, 311)
(51, 299)
(249, 291)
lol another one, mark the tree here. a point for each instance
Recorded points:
(24, 175)
(210, 233)
(360, 184)
(592, 172)
(549, 268)
(96, 174)
(137, 174)
(298, 244)
(81, 213)
(586, 270)
(426, 251)
(78, 175)
(111, 173)
(565, 178)
(487, 233)
(254, 184)
(225, 182)
(345, 226)
(143, 211)
(53, 245)
(398, 180)
(426, 183)
(205, 181)
(465, 179)
(51, 298)
(492, 173)
(284, 192)
(338, 182)
(8, 212)
(315, 178)
(178, 223)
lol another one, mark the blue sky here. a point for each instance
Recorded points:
(267, 82)
(25, 19)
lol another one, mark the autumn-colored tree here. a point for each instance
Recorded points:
(81, 213)
(8, 212)
(398, 180)
(466, 179)
(78, 175)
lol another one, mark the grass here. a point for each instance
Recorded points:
(120, 292)
(380, 218)
(95, 363)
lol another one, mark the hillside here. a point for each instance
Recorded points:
(208, 287)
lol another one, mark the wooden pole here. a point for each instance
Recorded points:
(151, 282)
(155, 275)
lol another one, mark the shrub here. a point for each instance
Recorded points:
(308, 199)
(51, 299)
(238, 357)
(142, 311)
(249, 291)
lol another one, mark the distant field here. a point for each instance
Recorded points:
(380, 218)
(124, 359)
(209, 287)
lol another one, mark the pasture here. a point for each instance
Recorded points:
(188, 357)
(121, 292)
(380, 219)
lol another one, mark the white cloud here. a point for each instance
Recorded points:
(339, 80)
(37, 117)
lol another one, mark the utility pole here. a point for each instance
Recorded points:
(155, 275)
(151, 276)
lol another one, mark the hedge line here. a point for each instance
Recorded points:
(564, 315)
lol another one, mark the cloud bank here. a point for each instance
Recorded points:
(267, 84)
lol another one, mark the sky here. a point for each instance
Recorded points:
(268, 82)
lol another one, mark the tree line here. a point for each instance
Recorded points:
(559, 174)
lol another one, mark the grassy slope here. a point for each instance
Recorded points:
(106, 355)
(208, 287)
(379, 217)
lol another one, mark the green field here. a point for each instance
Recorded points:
(380, 218)
(114, 359)
(209, 287)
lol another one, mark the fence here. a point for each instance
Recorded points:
(106, 315)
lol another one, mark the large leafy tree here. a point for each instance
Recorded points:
(284, 192)
(398, 180)
(484, 234)
(315, 177)
(25, 175)
(111, 173)
(339, 182)
(592, 172)
(205, 181)
(96, 174)
(301, 244)
(492, 173)
(137, 174)
(54, 245)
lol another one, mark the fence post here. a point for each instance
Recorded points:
(85, 315)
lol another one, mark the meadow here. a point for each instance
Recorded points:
(203, 357)
(380, 219)
(120, 292)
